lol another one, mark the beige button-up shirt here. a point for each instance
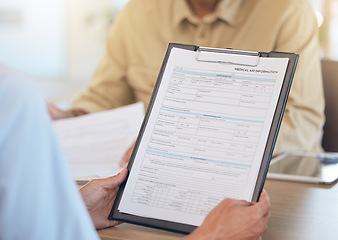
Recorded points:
(137, 42)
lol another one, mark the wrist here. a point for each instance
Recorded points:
(75, 112)
(198, 234)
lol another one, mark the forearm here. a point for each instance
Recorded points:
(109, 87)
(303, 119)
(76, 112)
(301, 129)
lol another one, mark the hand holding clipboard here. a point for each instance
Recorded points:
(208, 134)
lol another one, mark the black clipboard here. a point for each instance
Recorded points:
(220, 56)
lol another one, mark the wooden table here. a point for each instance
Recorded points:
(300, 211)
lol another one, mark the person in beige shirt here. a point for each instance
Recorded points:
(137, 42)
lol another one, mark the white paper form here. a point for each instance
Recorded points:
(205, 138)
(95, 143)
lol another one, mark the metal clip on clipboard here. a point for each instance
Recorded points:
(246, 58)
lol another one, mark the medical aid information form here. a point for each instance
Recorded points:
(204, 139)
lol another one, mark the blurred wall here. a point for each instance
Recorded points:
(32, 36)
(55, 39)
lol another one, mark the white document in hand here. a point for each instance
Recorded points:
(95, 143)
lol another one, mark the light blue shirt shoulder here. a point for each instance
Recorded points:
(38, 198)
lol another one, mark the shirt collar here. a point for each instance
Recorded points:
(226, 10)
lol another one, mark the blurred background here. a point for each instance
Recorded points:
(60, 42)
(57, 42)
